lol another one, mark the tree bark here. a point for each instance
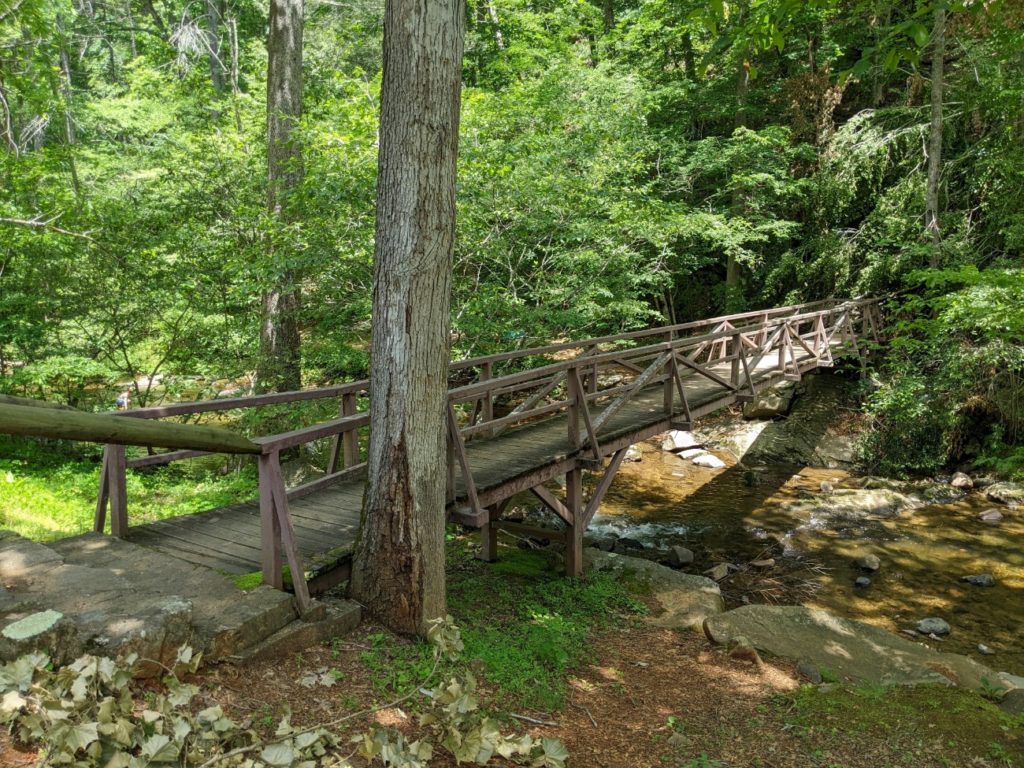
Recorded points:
(280, 362)
(931, 214)
(399, 561)
(733, 292)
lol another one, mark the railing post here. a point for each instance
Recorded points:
(117, 488)
(487, 408)
(669, 388)
(575, 394)
(350, 446)
(270, 528)
(103, 496)
(734, 373)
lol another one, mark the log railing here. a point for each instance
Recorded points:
(591, 384)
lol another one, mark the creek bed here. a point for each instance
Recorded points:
(739, 515)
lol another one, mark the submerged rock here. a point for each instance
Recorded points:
(709, 461)
(625, 544)
(686, 600)
(868, 563)
(933, 626)
(853, 650)
(862, 582)
(1010, 494)
(980, 580)
(991, 516)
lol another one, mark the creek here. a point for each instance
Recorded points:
(778, 517)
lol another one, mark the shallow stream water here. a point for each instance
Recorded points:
(739, 516)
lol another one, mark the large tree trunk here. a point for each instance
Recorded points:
(733, 289)
(399, 562)
(280, 366)
(931, 213)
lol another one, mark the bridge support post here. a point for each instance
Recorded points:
(575, 529)
(489, 533)
(113, 491)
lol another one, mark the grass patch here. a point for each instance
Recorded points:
(526, 624)
(911, 720)
(48, 491)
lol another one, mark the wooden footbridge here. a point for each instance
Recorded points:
(514, 424)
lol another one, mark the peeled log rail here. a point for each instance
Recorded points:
(32, 421)
(29, 402)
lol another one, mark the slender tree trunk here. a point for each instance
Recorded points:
(689, 62)
(931, 214)
(608, 13)
(499, 38)
(280, 362)
(213, 46)
(399, 561)
(733, 298)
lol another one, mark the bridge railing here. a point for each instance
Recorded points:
(595, 385)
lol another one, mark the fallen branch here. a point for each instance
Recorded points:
(46, 224)
(533, 720)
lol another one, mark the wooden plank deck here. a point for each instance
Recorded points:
(228, 539)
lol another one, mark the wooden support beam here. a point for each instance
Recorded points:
(459, 450)
(489, 532)
(574, 532)
(286, 533)
(638, 383)
(603, 486)
(553, 503)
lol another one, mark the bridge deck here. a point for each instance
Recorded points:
(228, 538)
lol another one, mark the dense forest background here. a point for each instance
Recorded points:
(622, 163)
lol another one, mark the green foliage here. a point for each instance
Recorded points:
(952, 387)
(49, 491)
(535, 624)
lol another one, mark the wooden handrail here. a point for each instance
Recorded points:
(30, 421)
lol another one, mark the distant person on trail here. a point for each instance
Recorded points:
(123, 400)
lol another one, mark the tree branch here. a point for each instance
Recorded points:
(46, 224)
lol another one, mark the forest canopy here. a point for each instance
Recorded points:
(621, 163)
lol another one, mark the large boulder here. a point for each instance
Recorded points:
(1010, 494)
(851, 650)
(686, 600)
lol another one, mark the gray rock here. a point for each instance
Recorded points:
(686, 600)
(862, 582)
(679, 556)
(1010, 494)
(1013, 702)
(984, 650)
(742, 649)
(690, 453)
(962, 481)
(933, 626)
(1011, 681)
(633, 454)
(826, 487)
(607, 544)
(718, 572)
(980, 580)
(868, 563)
(709, 461)
(990, 516)
(809, 671)
(853, 650)
(625, 544)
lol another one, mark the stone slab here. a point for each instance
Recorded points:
(686, 600)
(852, 650)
